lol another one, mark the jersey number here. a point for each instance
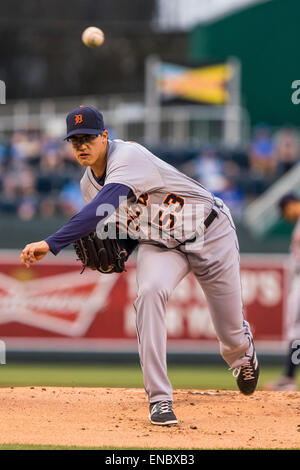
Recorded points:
(133, 221)
(166, 217)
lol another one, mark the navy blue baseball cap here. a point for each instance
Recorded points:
(84, 120)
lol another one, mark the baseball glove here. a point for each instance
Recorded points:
(104, 255)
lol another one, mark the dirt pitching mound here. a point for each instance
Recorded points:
(119, 418)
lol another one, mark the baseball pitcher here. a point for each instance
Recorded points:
(179, 227)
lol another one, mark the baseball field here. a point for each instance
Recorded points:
(149, 215)
(59, 406)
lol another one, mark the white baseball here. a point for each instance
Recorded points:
(92, 37)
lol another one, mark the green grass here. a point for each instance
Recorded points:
(45, 447)
(129, 376)
(53, 447)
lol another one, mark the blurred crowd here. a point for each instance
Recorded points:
(239, 176)
(40, 177)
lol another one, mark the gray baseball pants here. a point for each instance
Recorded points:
(216, 265)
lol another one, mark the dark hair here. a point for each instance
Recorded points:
(286, 199)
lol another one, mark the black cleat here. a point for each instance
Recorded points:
(247, 375)
(162, 413)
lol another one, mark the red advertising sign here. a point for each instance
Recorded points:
(52, 301)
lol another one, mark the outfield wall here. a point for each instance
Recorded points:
(52, 309)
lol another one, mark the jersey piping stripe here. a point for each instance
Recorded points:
(99, 189)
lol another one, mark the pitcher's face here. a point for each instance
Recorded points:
(89, 149)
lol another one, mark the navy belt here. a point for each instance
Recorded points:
(210, 218)
(213, 214)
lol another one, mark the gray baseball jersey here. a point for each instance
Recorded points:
(168, 207)
(173, 198)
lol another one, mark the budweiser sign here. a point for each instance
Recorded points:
(66, 304)
(53, 300)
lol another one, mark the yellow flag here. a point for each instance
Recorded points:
(206, 84)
